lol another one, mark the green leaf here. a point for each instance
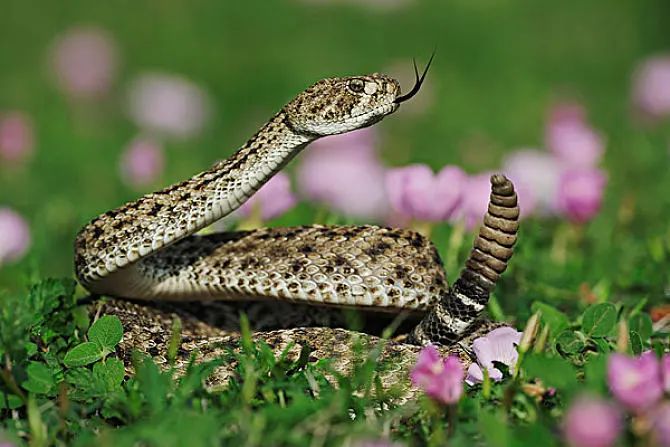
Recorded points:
(110, 373)
(10, 401)
(155, 385)
(38, 429)
(81, 318)
(554, 371)
(635, 343)
(658, 347)
(175, 340)
(599, 320)
(44, 297)
(570, 342)
(603, 345)
(534, 434)
(494, 428)
(245, 331)
(552, 317)
(84, 385)
(106, 332)
(595, 372)
(40, 378)
(641, 323)
(638, 307)
(83, 354)
(79, 377)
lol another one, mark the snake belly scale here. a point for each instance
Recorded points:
(146, 256)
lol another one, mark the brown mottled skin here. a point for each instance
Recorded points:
(292, 282)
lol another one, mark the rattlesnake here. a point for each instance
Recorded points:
(292, 282)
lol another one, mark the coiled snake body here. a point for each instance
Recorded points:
(290, 281)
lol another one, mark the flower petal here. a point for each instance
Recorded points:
(636, 382)
(591, 422)
(475, 374)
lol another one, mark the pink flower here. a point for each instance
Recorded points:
(591, 422)
(499, 345)
(661, 425)
(273, 199)
(344, 172)
(651, 86)
(141, 162)
(580, 193)
(168, 104)
(416, 193)
(571, 139)
(535, 175)
(441, 379)
(14, 236)
(85, 61)
(16, 137)
(635, 381)
(476, 193)
(566, 111)
(665, 372)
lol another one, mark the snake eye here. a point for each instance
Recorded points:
(357, 85)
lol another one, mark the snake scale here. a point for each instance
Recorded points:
(292, 282)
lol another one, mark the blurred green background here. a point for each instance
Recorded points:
(499, 65)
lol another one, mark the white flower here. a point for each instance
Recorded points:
(499, 345)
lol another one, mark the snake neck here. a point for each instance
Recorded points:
(137, 229)
(453, 315)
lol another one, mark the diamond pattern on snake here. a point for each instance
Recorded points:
(296, 284)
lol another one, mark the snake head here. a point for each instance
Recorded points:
(338, 105)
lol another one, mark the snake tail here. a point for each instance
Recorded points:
(454, 314)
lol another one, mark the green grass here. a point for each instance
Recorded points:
(500, 64)
(62, 384)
